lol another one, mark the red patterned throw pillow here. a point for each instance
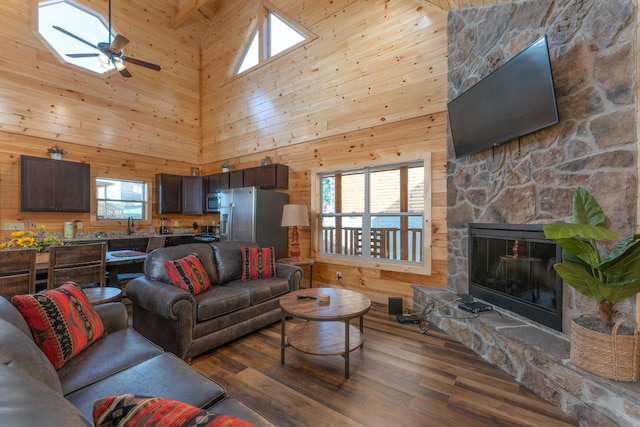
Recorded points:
(62, 321)
(188, 273)
(257, 263)
(129, 410)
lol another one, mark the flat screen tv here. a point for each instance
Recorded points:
(516, 99)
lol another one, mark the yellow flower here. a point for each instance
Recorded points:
(33, 237)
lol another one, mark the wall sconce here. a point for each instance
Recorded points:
(295, 216)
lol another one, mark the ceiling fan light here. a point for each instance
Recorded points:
(103, 58)
(119, 65)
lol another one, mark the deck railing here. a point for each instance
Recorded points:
(385, 243)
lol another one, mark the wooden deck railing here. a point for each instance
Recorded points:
(385, 243)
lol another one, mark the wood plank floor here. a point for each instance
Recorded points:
(399, 378)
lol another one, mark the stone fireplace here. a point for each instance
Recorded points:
(531, 180)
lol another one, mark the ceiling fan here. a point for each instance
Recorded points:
(111, 52)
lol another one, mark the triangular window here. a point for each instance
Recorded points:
(277, 35)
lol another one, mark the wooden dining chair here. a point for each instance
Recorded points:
(17, 272)
(86, 265)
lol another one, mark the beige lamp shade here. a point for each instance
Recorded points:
(295, 216)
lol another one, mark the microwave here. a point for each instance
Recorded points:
(213, 202)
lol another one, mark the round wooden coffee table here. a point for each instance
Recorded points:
(328, 331)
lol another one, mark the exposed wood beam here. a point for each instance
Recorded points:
(186, 11)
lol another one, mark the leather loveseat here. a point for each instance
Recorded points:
(33, 393)
(188, 325)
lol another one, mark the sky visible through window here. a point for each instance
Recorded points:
(282, 37)
(76, 20)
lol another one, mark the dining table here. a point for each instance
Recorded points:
(116, 259)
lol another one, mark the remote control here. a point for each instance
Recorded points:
(306, 297)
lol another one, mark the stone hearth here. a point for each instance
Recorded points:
(537, 357)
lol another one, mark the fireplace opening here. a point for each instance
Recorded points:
(511, 266)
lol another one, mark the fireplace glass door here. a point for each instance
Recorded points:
(511, 266)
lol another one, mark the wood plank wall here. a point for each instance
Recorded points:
(125, 128)
(371, 84)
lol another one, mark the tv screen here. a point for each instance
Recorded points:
(516, 99)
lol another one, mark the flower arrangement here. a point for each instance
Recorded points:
(33, 237)
(56, 149)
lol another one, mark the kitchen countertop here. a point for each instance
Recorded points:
(113, 235)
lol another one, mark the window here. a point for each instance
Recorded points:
(375, 214)
(79, 21)
(277, 34)
(120, 199)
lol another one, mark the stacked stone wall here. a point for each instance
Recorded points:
(592, 46)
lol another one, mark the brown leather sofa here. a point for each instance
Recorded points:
(188, 325)
(33, 393)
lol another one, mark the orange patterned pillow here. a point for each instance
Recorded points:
(129, 410)
(257, 263)
(188, 273)
(62, 321)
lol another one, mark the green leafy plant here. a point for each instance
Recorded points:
(56, 149)
(608, 280)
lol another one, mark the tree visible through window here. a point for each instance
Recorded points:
(120, 199)
(278, 36)
(374, 213)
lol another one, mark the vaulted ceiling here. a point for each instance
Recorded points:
(206, 9)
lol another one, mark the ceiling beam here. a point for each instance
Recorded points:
(186, 11)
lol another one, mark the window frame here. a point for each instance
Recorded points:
(147, 214)
(260, 25)
(423, 268)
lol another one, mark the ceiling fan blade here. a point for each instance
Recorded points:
(141, 63)
(62, 30)
(125, 73)
(119, 43)
(82, 55)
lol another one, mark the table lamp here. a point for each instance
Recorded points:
(295, 216)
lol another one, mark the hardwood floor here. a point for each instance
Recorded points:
(399, 378)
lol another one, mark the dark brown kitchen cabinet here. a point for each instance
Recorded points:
(54, 185)
(169, 193)
(217, 182)
(236, 179)
(274, 176)
(192, 195)
(251, 177)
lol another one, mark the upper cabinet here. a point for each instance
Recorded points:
(178, 194)
(273, 176)
(268, 176)
(217, 182)
(169, 193)
(54, 185)
(192, 195)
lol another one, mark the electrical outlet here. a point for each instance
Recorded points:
(79, 225)
(14, 226)
(176, 223)
(338, 275)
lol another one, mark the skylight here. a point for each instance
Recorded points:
(280, 36)
(77, 20)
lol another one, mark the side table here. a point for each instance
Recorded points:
(300, 262)
(102, 294)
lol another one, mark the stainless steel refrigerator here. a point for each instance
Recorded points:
(253, 214)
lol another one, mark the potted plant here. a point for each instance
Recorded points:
(56, 152)
(226, 166)
(607, 278)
